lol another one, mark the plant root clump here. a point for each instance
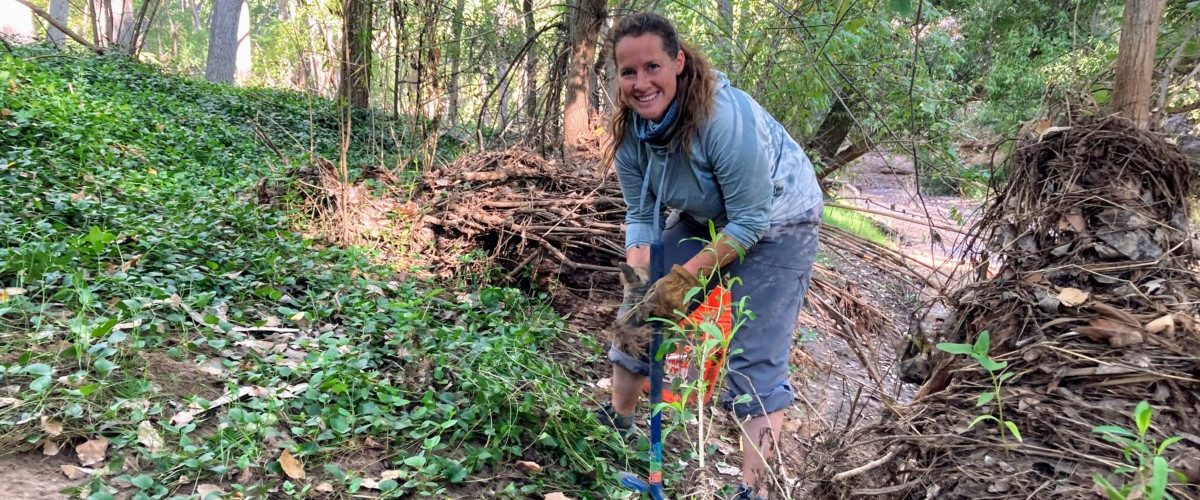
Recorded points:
(1093, 305)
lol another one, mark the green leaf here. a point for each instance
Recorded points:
(902, 7)
(981, 418)
(38, 369)
(104, 328)
(991, 365)
(104, 366)
(416, 461)
(335, 471)
(982, 343)
(1112, 429)
(1005, 376)
(1141, 415)
(142, 482)
(985, 398)
(40, 384)
(953, 348)
(1167, 442)
(1158, 482)
(388, 485)
(339, 424)
(1012, 427)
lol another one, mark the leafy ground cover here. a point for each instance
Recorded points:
(161, 324)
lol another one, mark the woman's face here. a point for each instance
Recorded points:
(646, 74)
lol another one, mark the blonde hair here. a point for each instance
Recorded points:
(694, 86)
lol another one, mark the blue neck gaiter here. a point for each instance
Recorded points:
(647, 130)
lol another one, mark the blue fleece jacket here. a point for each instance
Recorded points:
(743, 172)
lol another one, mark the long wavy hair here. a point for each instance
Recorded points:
(694, 86)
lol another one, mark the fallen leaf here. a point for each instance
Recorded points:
(729, 470)
(298, 316)
(292, 467)
(391, 474)
(182, 418)
(49, 448)
(9, 402)
(604, 383)
(370, 484)
(92, 451)
(529, 466)
(51, 427)
(1072, 297)
(205, 490)
(1164, 323)
(324, 488)
(75, 473)
(149, 437)
(556, 496)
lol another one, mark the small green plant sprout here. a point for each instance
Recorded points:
(996, 370)
(1143, 458)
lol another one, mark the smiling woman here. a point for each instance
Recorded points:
(684, 138)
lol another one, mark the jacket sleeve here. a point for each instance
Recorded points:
(639, 205)
(736, 146)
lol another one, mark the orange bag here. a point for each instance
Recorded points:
(677, 366)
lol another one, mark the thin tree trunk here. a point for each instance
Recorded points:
(285, 10)
(583, 52)
(60, 10)
(725, 25)
(356, 64)
(243, 64)
(530, 63)
(193, 8)
(1135, 60)
(456, 62)
(125, 18)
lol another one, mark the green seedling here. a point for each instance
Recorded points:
(998, 374)
(1144, 459)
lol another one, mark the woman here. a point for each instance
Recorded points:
(685, 138)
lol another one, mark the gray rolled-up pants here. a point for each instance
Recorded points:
(774, 278)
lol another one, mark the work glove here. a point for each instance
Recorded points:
(629, 330)
(667, 294)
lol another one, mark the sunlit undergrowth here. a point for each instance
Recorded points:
(150, 301)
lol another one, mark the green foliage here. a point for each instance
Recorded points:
(998, 374)
(855, 223)
(131, 239)
(1144, 459)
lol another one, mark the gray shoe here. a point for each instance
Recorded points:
(608, 417)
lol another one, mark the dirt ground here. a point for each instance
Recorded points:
(34, 476)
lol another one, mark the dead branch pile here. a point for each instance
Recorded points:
(1094, 308)
(562, 224)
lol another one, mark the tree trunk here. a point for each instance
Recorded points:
(224, 39)
(242, 66)
(285, 10)
(193, 8)
(60, 10)
(1135, 60)
(530, 63)
(123, 19)
(589, 15)
(832, 133)
(456, 62)
(356, 52)
(725, 28)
